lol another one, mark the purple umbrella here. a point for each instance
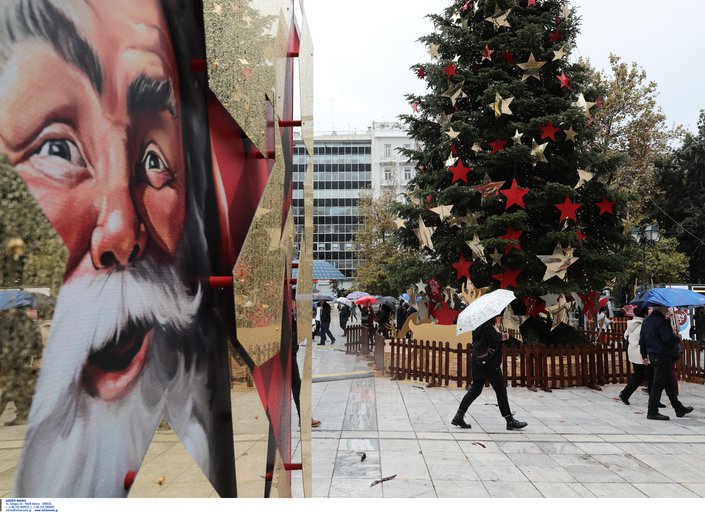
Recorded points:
(356, 295)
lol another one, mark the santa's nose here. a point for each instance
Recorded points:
(119, 237)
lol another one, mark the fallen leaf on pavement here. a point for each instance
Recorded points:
(378, 481)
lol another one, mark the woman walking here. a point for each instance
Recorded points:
(485, 364)
(632, 334)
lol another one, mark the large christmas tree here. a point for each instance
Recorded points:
(508, 191)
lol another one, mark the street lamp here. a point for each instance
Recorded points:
(642, 235)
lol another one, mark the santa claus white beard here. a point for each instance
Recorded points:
(79, 445)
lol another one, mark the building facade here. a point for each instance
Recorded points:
(346, 165)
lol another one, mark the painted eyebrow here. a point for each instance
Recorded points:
(150, 95)
(40, 19)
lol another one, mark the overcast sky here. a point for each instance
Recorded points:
(363, 50)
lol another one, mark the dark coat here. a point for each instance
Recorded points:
(657, 336)
(345, 312)
(483, 338)
(325, 312)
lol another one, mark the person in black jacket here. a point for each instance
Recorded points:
(657, 344)
(486, 364)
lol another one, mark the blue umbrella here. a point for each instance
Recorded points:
(14, 299)
(672, 297)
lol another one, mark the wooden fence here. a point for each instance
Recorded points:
(533, 366)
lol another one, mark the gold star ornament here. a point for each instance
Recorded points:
(443, 211)
(500, 105)
(583, 105)
(452, 133)
(570, 134)
(499, 18)
(531, 68)
(478, 249)
(433, 50)
(424, 234)
(583, 177)
(537, 152)
(517, 136)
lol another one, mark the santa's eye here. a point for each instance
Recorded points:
(64, 149)
(154, 169)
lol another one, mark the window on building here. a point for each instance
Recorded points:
(387, 151)
(387, 174)
(407, 174)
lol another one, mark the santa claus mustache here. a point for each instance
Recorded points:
(94, 311)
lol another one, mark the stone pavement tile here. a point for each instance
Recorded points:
(405, 465)
(460, 489)
(478, 446)
(358, 444)
(519, 447)
(585, 469)
(619, 438)
(324, 444)
(614, 490)
(349, 464)
(319, 487)
(399, 446)
(508, 436)
(599, 448)
(532, 460)
(470, 435)
(559, 448)
(511, 490)
(435, 436)
(544, 437)
(323, 463)
(697, 488)
(567, 490)
(507, 473)
(631, 469)
(642, 448)
(358, 434)
(582, 438)
(542, 474)
(488, 458)
(409, 435)
(447, 448)
(354, 488)
(665, 490)
(451, 470)
(399, 423)
(408, 488)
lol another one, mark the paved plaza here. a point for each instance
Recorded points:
(579, 443)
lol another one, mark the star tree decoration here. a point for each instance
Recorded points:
(501, 106)
(508, 277)
(559, 311)
(583, 105)
(424, 234)
(496, 257)
(531, 68)
(564, 80)
(449, 70)
(537, 150)
(515, 195)
(462, 268)
(557, 263)
(570, 134)
(568, 209)
(487, 53)
(452, 133)
(400, 223)
(499, 18)
(488, 188)
(478, 249)
(454, 92)
(548, 131)
(512, 236)
(460, 171)
(443, 211)
(558, 54)
(605, 206)
(517, 136)
(497, 145)
(583, 178)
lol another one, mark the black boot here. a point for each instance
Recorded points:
(513, 423)
(459, 420)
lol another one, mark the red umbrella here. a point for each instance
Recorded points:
(366, 300)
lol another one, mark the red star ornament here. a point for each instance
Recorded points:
(564, 80)
(462, 268)
(489, 189)
(555, 36)
(534, 306)
(514, 235)
(568, 209)
(497, 145)
(548, 131)
(465, 6)
(445, 315)
(421, 73)
(460, 171)
(531, 3)
(450, 70)
(589, 303)
(415, 107)
(515, 195)
(487, 53)
(605, 206)
(508, 278)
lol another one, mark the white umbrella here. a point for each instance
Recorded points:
(483, 309)
(343, 301)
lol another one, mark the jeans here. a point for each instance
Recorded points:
(500, 390)
(663, 380)
(325, 329)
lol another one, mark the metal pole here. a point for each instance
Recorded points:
(643, 245)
